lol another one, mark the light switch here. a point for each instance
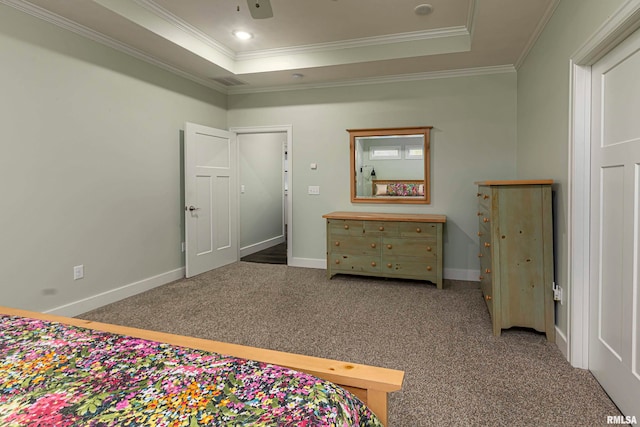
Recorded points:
(314, 189)
(242, 189)
(314, 166)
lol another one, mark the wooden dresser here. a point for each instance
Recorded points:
(516, 254)
(407, 246)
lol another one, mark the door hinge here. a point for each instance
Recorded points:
(557, 292)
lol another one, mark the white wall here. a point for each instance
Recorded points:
(543, 114)
(262, 202)
(473, 139)
(91, 166)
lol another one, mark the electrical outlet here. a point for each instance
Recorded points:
(78, 272)
(314, 189)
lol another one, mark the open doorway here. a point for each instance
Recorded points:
(263, 157)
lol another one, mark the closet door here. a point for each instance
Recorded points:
(614, 343)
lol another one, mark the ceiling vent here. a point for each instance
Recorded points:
(229, 81)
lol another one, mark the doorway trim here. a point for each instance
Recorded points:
(616, 28)
(288, 129)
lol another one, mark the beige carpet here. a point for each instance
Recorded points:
(457, 372)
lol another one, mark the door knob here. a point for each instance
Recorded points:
(192, 208)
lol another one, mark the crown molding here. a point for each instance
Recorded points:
(184, 26)
(466, 72)
(355, 43)
(622, 23)
(548, 13)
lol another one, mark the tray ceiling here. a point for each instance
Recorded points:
(307, 42)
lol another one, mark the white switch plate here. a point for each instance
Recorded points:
(314, 189)
(78, 272)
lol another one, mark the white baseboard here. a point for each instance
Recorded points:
(260, 246)
(562, 343)
(308, 263)
(461, 274)
(104, 298)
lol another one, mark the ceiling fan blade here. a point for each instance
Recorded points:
(260, 9)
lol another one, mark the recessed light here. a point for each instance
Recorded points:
(423, 9)
(242, 35)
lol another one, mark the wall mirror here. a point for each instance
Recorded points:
(390, 165)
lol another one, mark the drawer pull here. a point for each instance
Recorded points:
(337, 243)
(478, 194)
(481, 277)
(487, 297)
(381, 228)
(487, 244)
(373, 245)
(389, 246)
(428, 248)
(389, 265)
(373, 264)
(480, 233)
(486, 196)
(346, 227)
(488, 271)
(429, 268)
(480, 255)
(418, 230)
(337, 261)
(479, 214)
(485, 219)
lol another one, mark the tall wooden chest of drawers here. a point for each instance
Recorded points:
(516, 254)
(407, 246)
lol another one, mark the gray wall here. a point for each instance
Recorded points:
(543, 113)
(90, 170)
(473, 139)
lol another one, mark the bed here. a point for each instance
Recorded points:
(63, 371)
(395, 188)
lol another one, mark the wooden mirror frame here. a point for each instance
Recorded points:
(421, 130)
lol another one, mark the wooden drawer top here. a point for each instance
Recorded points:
(374, 216)
(517, 182)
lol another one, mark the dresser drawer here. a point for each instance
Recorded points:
(417, 230)
(344, 227)
(381, 228)
(341, 243)
(425, 248)
(355, 263)
(425, 269)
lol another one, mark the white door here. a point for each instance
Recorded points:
(210, 197)
(614, 344)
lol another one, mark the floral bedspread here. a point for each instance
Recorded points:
(58, 375)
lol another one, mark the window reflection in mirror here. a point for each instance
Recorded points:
(390, 165)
